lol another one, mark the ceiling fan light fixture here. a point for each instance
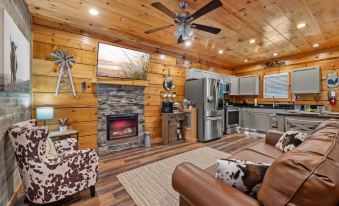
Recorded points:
(184, 31)
(183, 20)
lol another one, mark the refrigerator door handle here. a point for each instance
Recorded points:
(215, 95)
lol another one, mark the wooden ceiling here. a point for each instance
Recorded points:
(272, 23)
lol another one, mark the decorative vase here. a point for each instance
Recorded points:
(63, 128)
(147, 139)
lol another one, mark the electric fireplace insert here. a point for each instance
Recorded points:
(122, 126)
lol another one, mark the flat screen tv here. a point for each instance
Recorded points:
(117, 62)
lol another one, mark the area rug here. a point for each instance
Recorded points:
(150, 185)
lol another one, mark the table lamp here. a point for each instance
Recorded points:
(44, 113)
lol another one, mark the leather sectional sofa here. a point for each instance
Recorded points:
(307, 175)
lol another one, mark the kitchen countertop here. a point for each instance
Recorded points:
(265, 106)
(308, 114)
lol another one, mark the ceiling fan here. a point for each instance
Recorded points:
(183, 20)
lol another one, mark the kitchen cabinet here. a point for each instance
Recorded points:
(199, 74)
(207, 74)
(193, 74)
(258, 119)
(306, 80)
(234, 81)
(262, 121)
(249, 85)
(246, 118)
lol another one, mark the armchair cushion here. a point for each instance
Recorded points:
(65, 145)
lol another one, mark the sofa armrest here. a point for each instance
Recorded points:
(272, 137)
(198, 188)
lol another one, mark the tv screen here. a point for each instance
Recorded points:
(122, 63)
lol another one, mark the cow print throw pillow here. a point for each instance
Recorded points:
(290, 140)
(245, 176)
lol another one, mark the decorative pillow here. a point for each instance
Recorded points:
(51, 152)
(245, 176)
(290, 140)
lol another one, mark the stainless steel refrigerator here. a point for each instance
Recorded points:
(205, 94)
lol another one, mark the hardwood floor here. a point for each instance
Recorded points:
(111, 192)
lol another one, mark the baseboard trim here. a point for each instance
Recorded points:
(14, 197)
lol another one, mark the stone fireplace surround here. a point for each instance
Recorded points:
(114, 100)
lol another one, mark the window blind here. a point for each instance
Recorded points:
(276, 85)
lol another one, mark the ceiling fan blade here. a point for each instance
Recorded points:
(158, 29)
(180, 40)
(205, 28)
(206, 9)
(164, 9)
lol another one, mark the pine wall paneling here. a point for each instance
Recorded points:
(82, 109)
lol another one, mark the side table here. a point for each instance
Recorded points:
(57, 135)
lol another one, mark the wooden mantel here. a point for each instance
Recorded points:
(107, 80)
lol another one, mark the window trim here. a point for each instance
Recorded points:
(272, 75)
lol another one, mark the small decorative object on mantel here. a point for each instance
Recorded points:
(65, 81)
(332, 80)
(273, 64)
(63, 125)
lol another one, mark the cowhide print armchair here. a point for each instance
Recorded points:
(49, 176)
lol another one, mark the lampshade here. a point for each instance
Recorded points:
(44, 113)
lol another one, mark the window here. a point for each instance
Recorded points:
(276, 85)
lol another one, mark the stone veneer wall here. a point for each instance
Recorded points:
(119, 99)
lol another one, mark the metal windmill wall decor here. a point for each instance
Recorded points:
(65, 81)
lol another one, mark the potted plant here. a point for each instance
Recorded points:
(63, 125)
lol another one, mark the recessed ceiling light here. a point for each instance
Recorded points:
(85, 40)
(162, 57)
(93, 12)
(315, 45)
(188, 43)
(301, 25)
(221, 51)
(275, 54)
(246, 60)
(251, 41)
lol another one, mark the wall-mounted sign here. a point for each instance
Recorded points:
(274, 64)
(332, 80)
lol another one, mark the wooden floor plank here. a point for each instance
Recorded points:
(109, 190)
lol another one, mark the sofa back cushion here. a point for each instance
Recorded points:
(308, 175)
